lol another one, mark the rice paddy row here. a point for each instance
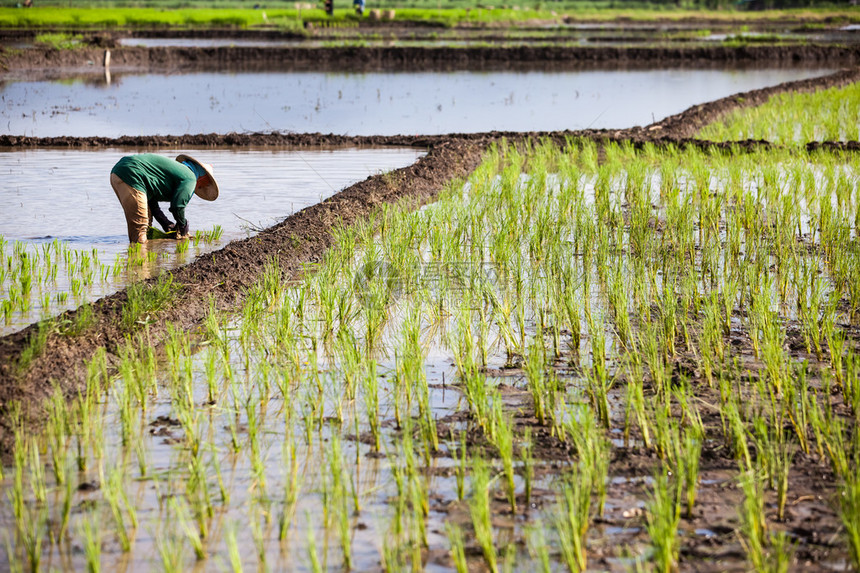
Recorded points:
(794, 118)
(475, 369)
(39, 279)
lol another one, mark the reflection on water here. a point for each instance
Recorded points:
(366, 103)
(48, 195)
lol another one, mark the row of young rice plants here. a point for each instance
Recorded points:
(483, 379)
(794, 118)
(37, 280)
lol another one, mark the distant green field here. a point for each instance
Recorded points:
(234, 13)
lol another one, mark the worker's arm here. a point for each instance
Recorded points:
(159, 216)
(180, 201)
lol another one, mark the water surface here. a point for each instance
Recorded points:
(365, 103)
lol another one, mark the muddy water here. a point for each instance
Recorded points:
(65, 195)
(364, 104)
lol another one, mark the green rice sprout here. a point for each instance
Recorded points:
(315, 565)
(504, 442)
(479, 509)
(91, 535)
(662, 519)
(192, 534)
(114, 492)
(460, 471)
(573, 518)
(753, 521)
(528, 463)
(538, 547)
(235, 556)
(146, 300)
(458, 550)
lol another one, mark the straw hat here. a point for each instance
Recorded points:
(210, 192)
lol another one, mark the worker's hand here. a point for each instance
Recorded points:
(169, 226)
(181, 230)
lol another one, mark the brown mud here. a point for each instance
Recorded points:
(437, 58)
(709, 539)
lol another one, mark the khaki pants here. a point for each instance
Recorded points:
(133, 202)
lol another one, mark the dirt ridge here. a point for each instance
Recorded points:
(435, 58)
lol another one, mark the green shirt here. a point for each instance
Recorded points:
(160, 179)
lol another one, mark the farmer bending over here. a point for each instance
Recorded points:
(141, 181)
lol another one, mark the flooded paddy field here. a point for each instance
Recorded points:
(597, 350)
(562, 31)
(574, 35)
(57, 205)
(582, 357)
(365, 103)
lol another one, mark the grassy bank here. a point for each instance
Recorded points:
(103, 15)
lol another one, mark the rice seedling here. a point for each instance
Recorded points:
(598, 376)
(91, 536)
(593, 449)
(233, 552)
(793, 118)
(35, 345)
(662, 518)
(782, 552)
(637, 403)
(180, 511)
(371, 398)
(504, 442)
(541, 388)
(691, 452)
(145, 300)
(753, 521)
(573, 518)
(292, 489)
(461, 469)
(479, 509)
(338, 491)
(528, 464)
(169, 547)
(313, 557)
(538, 547)
(458, 551)
(115, 494)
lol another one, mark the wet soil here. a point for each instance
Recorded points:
(441, 58)
(709, 542)
(709, 536)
